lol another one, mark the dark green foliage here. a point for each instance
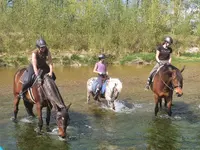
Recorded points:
(118, 28)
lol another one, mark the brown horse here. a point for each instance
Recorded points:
(45, 94)
(167, 80)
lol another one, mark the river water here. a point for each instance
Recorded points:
(95, 127)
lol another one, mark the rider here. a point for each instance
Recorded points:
(163, 56)
(101, 69)
(38, 62)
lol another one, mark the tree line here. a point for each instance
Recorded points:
(112, 26)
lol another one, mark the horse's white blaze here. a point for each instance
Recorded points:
(113, 88)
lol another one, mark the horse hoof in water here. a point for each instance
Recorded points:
(13, 119)
(48, 129)
(37, 130)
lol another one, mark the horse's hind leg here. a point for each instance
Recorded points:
(29, 108)
(16, 106)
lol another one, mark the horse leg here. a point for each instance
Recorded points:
(113, 105)
(169, 104)
(16, 108)
(165, 103)
(29, 108)
(40, 121)
(88, 96)
(156, 104)
(48, 119)
(160, 101)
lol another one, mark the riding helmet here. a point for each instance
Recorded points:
(40, 43)
(101, 56)
(169, 40)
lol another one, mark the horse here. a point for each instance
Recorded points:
(167, 79)
(45, 94)
(112, 88)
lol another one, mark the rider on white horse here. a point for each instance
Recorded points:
(101, 69)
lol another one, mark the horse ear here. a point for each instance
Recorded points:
(69, 106)
(182, 69)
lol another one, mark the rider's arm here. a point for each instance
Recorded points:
(170, 59)
(50, 63)
(95, 69)
(34, 63)
(157, 56)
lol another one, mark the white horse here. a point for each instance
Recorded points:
(112, 90)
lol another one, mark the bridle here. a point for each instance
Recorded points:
(171, 88)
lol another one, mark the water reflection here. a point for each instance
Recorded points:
(26, 139)
(163, 135)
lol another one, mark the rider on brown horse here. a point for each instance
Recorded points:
(38, 62)
(163, 56)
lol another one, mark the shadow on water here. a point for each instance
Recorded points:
(183, 111)
(26, 139)
(162, 134)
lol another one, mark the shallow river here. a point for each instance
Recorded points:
(95, 127)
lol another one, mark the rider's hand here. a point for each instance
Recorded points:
(160, 63)
(100, 73)
(39, 80)
(50, 74)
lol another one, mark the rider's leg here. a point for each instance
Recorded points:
(99, 79)
(151, 76)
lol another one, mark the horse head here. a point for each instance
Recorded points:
(176, 79)
(62, 120)
(113, 88)
(53, 95)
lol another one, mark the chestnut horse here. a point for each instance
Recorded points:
(45, 94)
(165, 81)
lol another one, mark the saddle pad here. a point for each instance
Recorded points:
(24, 77)
(30, 92)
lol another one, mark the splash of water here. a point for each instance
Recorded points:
(121, 106)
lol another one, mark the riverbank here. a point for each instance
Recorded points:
(84, 59)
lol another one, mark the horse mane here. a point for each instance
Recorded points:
(171, 67)
(52, 93)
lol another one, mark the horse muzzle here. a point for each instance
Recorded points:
(178, 91)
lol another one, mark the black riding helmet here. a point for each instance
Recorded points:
(169, 40)
(101, 56)
(40, 43)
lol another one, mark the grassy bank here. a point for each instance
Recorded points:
(84, 59)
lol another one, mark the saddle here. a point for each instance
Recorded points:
(24, 78)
